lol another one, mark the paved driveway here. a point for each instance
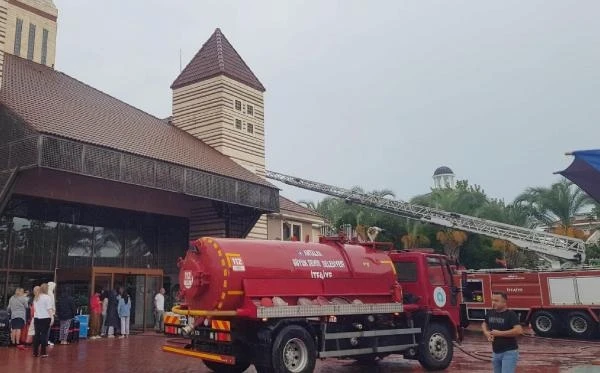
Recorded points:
(141, 353)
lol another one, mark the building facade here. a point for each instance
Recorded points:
(95, 193)
(295, 222)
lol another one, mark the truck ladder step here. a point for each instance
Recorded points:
(366, 351)
(372, 333)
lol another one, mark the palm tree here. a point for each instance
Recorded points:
(452, 240)
(516, 213)
(558, 203)
(415, 236)
(311, 205)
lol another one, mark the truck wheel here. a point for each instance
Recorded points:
(436, 348)
(294, 351)
(544, 324)
(580, 325)
(239, 367)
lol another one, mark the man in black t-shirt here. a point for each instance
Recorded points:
(502, 327)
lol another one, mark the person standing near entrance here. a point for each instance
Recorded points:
(159, 310)
(104, 299)
(66, 311)
(124, 313)
(17, 306)
(95, 315)
(31, 329)
(502, 327)
(43, 314)
(112, 314)
(52, 294)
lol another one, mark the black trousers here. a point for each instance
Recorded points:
(42, 328)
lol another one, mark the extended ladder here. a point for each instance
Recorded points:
(543, 243)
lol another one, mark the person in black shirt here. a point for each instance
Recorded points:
(502, 327)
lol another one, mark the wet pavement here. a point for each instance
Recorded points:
(141, 353)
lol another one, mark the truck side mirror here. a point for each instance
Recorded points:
(463, 279)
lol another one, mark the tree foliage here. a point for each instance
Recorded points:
(560, 202)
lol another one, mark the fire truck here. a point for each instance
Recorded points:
(555, 303)
(282, 305)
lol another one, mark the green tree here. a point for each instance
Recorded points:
(463, 199)
(558, 203)
(416, 236)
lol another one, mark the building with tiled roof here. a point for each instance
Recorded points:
(218, 99)
(295, 222)
(97, 193)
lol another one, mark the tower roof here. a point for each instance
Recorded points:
(443, 170)
(217, 56)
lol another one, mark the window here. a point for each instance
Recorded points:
(31, 41)
(18, 32)
(249, 109)
(44, 46)
(238, 105)
(238, 124)
(34, 244)
(250, 127)
(291, 231)
(407, 271)
(435, 271)
(473, 291)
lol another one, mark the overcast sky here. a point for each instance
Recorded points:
(372, 93)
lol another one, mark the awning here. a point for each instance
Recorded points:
(585, 171)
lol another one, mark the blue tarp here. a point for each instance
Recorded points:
(585, 172)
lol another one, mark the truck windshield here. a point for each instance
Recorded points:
(406, 271)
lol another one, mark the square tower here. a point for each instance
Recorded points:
(218, 99)
(31, 30)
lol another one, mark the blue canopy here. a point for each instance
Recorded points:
(585, 171)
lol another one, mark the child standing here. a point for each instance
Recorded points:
(124, 309)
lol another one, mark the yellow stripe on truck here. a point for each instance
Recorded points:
(225, 359)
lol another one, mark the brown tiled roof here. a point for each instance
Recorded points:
(291, 206)
(57, 104)
(217, 56)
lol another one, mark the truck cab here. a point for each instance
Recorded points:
(428, 283)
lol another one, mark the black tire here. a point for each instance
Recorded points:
(580, 325)
(436, 348)
(294, 351)
(545, 324)
(239, 367)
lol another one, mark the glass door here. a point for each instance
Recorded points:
(140, 284)
(102, 282)
(153, 285)
(130, 284)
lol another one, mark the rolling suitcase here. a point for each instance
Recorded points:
(55, 332)
(72, 336)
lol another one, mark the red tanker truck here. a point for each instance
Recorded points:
(554, 302)
(283, 305)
